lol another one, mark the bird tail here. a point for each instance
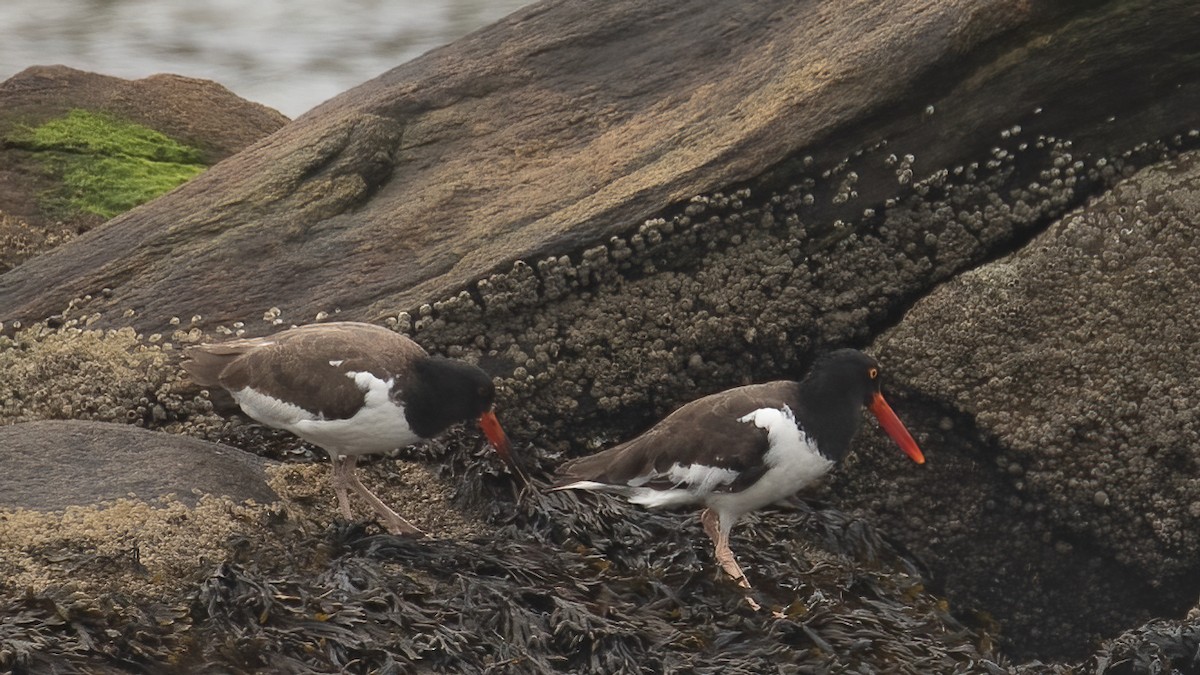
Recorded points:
(205, 363)
(610, 469)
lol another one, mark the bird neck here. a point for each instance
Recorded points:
(830, 415)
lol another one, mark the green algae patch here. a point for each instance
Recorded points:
(107, 165)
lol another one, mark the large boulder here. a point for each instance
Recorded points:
(566, 124)
(1064, 487)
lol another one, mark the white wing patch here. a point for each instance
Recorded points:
(700, 478)
(337, 363)
(691, 485)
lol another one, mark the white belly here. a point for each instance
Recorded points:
(779, 482)
(371, 430)
(378, 426)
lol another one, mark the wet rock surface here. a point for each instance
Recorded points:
(599, 320)
(525, 144)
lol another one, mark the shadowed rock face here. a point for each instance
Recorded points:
(733, 293)
(914, 147)
(1072, 364)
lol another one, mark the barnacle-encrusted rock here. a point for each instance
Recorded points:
(71, 372)
(526, 145)
(94, 507)
(1071, 367)
(745, 288)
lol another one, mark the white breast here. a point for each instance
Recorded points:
(792, 460)
(378, 426)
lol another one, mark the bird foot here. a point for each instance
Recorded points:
(775, 613)
(733, 570)
(401, 527)
(411, 534)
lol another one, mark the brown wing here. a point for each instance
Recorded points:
(705, 431)
(307, 365)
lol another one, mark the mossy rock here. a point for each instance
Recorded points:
(116, 143)
(106, 165)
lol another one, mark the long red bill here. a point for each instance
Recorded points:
(895, 428)
(495, 435)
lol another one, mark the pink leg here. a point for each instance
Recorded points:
(720, 538)
(719, 533)
(340, 483)
(344, 477)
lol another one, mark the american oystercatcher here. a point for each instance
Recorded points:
(352, 389)
(741, 449)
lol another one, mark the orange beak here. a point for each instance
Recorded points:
(495, 435)
(895, 428)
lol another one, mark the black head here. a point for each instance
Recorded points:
(833, 394)
(444, 391)
(845, 374)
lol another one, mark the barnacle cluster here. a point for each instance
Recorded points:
(741, 286)
(19, 240)
(1073, 358)
(72, 371)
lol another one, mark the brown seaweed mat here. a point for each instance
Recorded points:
(560, 584)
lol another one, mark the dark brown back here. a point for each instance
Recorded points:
(308, 365)
(705, 431)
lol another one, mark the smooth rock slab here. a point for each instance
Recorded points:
(568, 123)
(51, 465)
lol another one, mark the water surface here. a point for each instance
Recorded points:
(288, 54)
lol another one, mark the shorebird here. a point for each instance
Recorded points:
(353, 389)
(741, 449)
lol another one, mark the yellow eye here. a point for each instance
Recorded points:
(872, 373)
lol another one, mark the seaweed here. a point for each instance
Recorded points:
(560, 584)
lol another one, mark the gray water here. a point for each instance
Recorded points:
(287, 54)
